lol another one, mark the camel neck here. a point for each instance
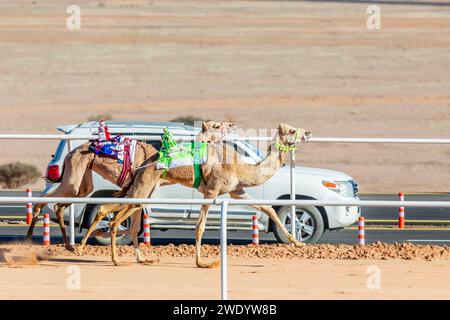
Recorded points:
(267, 168)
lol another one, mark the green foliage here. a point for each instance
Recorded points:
(98, 117)
(16, 175)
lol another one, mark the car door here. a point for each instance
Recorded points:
(239, 217)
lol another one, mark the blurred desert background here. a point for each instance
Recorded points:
(312, 64)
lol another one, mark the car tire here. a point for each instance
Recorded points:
(121, 240)
(312, 228)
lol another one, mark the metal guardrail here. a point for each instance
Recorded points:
(225, 202)
(231, 138)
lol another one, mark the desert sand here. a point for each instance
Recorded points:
(258, 63)
(387, 276)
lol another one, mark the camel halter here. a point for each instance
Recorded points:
(286, 148)
(223, 133)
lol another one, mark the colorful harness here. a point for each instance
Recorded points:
(119, 149)
(286, 148)
(173, 154)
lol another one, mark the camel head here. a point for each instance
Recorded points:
(290, 136)
(214, 131)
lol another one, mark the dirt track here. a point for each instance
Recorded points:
(266, 272)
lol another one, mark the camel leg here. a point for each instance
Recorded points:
(103, 212)
(134, 231)
(144, 185)
(59, 210)
(271, 213)
(211, 192)
(113, 228)
(74, 178)
(37, 211)
(114, 225)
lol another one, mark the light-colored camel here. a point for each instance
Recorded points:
(219, 177)
(81, 162)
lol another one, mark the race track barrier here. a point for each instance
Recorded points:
(147, 239)
(46, 232)
(255, 230)
(29, 207)
(178, 135)
(224, 203)
(401, 212)
(361, 234)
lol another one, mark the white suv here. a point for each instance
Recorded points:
(311, 183)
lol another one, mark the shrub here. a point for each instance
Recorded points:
(16, 175)
(98, 117)
(187, 120)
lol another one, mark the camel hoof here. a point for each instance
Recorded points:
(79, 251)
(120, 264)
(211, 265)
(149, 262)
(70, 248)
(299, 244)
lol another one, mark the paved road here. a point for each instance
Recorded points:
(427, 226)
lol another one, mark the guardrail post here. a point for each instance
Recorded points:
(361, 233)
(71, 207)
(255, 230)
(293, 208)
(223, 251)
(29, 207)
(401, 212)
(147, 239)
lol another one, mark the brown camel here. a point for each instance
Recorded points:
(219, 177)
(81, 162)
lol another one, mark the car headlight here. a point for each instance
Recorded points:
(344, 188)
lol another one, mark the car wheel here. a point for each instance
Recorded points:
(309, 224)
(104, 226)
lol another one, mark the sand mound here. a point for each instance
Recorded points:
(375, 251)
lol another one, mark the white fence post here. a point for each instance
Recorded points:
(293, 208)
(223, 251)
(71, 207)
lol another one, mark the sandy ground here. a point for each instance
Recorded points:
(249, 278)
(257, 63)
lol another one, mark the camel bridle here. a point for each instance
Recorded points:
(287, 148)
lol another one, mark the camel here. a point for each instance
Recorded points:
(79, 164)
(231, 176)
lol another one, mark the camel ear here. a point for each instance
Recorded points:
(204, 126)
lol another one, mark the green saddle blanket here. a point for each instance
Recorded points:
(173, 154)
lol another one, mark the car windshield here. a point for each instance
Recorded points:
(253, 148)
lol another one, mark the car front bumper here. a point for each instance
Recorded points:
(342, 216)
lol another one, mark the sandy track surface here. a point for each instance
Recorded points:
(267, 272)
(310, 64)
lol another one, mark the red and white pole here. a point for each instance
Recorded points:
(401, 212)
(29, 207)
(46, 241)
(147, 241)
(255, 230)
(361, 235)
